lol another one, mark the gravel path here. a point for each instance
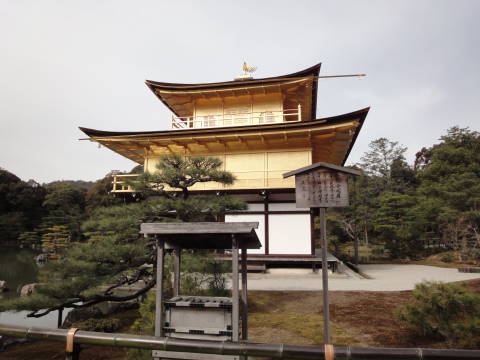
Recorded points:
(384, 277)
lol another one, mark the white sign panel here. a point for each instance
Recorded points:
(321, 188)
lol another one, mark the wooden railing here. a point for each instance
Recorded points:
(120, 183)
(262, 179)
(237, 119)
(72, 338)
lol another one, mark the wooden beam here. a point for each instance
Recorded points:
(159, 316)
(176, 270)
(244, 295)
(170, 150)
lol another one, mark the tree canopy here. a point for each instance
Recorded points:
(406, 208)
(20, 206)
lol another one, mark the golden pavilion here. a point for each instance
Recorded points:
(260, 129)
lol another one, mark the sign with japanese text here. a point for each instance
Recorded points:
(321, 188)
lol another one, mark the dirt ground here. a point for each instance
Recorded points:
(359, 318)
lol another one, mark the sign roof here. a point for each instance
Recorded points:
(324, 165)
(205, 235)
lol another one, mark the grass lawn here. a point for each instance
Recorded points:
(358, 318)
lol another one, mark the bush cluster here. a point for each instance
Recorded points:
(449, 310)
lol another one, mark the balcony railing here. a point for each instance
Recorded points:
(245, 180)
(120, 182)
(237, 119)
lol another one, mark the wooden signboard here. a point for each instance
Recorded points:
(321, 188)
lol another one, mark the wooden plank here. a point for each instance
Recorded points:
(321, 188)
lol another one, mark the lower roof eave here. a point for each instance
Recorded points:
(132, 142)
(356, 115)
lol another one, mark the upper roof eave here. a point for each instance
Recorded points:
(311, 71)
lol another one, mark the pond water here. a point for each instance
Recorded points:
(18, 268)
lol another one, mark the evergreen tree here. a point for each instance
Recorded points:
(29, 239)
(385, 170)
(394, 224)
(99, 194)
(379, 159)
(55, 240)
(20, 206)
(65, 206)
(450, 187)
(175, 172)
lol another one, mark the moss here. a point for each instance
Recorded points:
(273, 312)
(308, 326)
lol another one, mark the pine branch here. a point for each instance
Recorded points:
(73, 304)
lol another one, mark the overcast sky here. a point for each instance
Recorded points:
(65, 64)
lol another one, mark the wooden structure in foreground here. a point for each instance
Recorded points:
(276, 351)
(260, 129)
(202, 235)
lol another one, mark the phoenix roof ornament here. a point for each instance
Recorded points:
(247, 72)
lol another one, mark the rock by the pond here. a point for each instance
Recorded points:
(41, 258)
(6, 341)
(28, 289)
(3, 286)
(80, 314)
(106, 308)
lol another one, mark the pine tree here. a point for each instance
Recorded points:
(29, 239)
(55, 240)
(114, 254)
(450, 189)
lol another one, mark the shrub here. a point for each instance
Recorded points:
(203, 275)
(144, 325)
(447, 257)
(446, 309)
(100, 325)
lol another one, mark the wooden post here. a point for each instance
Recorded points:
(176, 271)
(235, 297)
(326, 312)
(355, 245)
(244, 295)
(159, 288)
(75, 355)
(72, 349)
(60, 318)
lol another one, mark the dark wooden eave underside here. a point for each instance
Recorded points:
(107, 138)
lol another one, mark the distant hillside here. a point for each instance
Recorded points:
(86, 185)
